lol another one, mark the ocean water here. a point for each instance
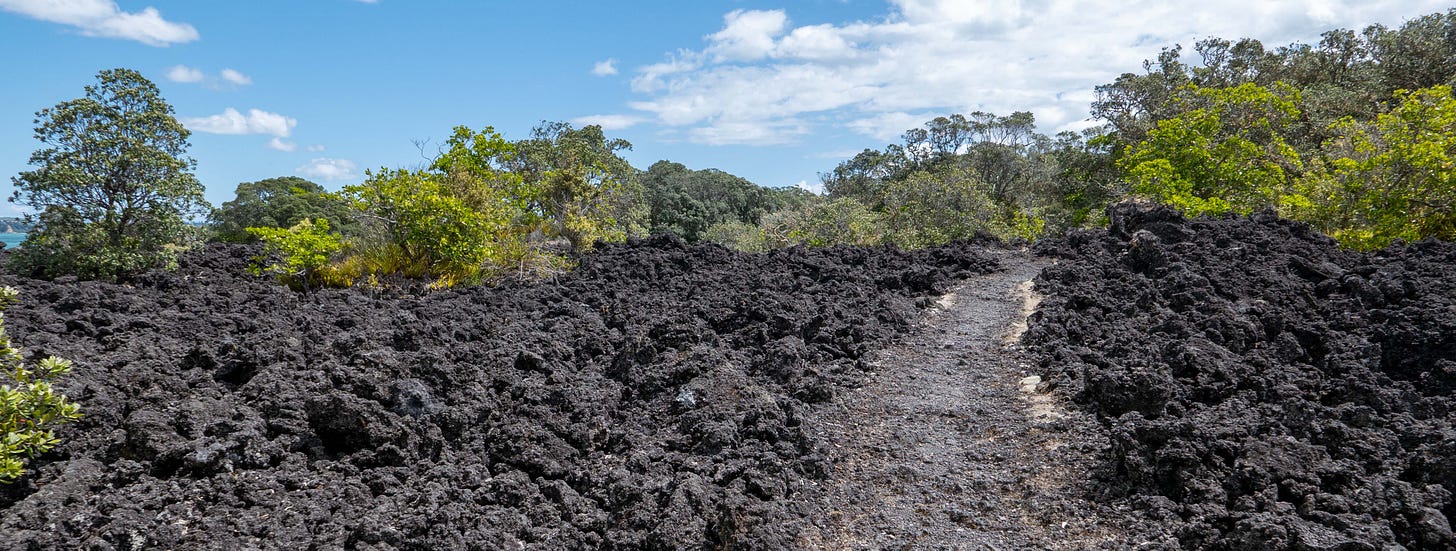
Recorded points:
(11, 239)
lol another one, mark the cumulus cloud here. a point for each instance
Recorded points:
(605, 68)
(325, 168)
(103, 18)
(315, 148)
(747, 35)
(230, 121)
(761, 80)
(609, 122)
(817, 188)
(236, 77)
(183, 73)
(282, 145)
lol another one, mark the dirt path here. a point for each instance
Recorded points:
(949, 445)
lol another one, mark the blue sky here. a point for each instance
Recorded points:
(773, 91)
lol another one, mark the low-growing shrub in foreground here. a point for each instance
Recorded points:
(29, 407)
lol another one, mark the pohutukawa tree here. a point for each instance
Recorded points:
(112, 187)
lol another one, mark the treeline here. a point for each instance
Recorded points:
(1355, 135)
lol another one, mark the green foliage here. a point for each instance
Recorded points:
(466, 218)
(112, 186)
(1081, 178)
(278, 203)
(30, 408)
(1025, 226)
(1235, 133)
(961, 175)
(740, 236)
(1392, 178)
(926, 209)
(428, 224)
(843, 221)
(1225, 153)
(688, 202)
(578, 185)
(299, 252)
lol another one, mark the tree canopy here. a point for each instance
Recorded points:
(278, 203)
(113, 186)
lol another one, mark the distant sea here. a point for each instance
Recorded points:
(11, 239)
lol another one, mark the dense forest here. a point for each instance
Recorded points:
(1354, 135)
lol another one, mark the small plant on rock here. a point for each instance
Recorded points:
(29, 407)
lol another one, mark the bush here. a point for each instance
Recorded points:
(29, 407)
(738, 236)
(1392, 178)
(1225, 152)
(925, 209)
(300, 251)
(843, 221)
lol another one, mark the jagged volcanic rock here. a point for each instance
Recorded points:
(652, 398)
(1264, 388)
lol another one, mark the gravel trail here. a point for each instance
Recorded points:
(950, 444)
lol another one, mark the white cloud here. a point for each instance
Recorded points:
(609, 122)
(747, 35)
(760, 80)
(887, 126)
(315, 148)
(282, 144)
(103, 18)
(236, 77)
(817, 188)
(183, 73)
(230, 121)
(605, 68)
(328, 169)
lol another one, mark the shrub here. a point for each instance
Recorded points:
(843, 221)
(925, 209)
(300, 251)
(1391, 178)
(738, 236)
(1226, 152)
(29, 407)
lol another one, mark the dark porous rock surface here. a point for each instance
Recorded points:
(651, 398)
(1264, 389)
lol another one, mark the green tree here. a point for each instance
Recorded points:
(583, 190)
(1225, 152)
(112, 185)
(863, 177)
(30, 408)
(687, 202)
(278, 203)
(1392, 178)
(1082, 179)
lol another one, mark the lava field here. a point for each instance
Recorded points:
(1263, 388)
(652, 398)
(1260, 388)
